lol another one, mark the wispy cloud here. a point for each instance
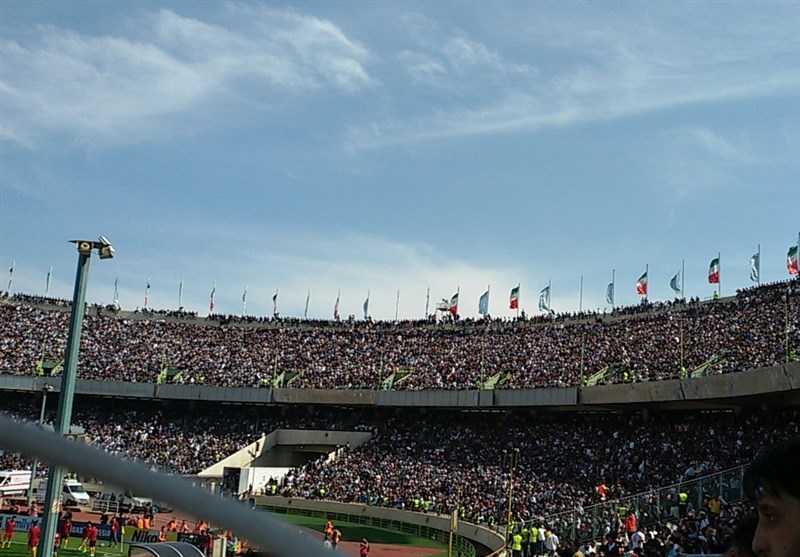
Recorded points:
(593, 73)
(120, 89)
(299, 261)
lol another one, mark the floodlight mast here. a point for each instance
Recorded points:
(55, 476)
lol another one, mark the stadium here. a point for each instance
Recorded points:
(373, 282)
(563, 424)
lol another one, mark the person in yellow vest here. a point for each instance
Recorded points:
(534, 541)
(526, 540)
(683, 503)
(516, 544)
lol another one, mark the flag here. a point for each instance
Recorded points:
(116, 292)
(180, 294)
(610, 293)
(453, 307)
(755, 267)
(673, 283)
(444, 305)
(336, 307)
(713, 271)
(513, 299)
(544, 299)
(47, 283)
(791, 260)
(483, 304)
(366, 306)
(641, 285)
(275, 303)
(305, 312)
(212, 302)
(146, 293)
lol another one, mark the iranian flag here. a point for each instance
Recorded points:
(791, 261)
(454, 304)
(713, 271)
(641, 285)
(513, 301)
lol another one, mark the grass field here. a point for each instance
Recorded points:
(354, 532)
(19, 548)
(350, 532)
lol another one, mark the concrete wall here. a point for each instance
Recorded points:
(778, 379)
(719, 388)
(476, 534)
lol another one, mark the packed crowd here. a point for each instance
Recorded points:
(757, 328)
(438, 461)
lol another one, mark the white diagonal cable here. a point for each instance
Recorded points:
(256, 527)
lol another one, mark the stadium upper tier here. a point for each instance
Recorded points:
(756, 328)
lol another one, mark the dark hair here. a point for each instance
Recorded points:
(775, 470)
(742, 537)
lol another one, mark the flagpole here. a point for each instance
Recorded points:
(397, 305)
(580, 301)
(758, 281)
(549, 296)
(683, 278)
(180, 294)
(682, 367)
(305, 313)
(719, 282)
(519, 291)
(427, 302)
(11, 276)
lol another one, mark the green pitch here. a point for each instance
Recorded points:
(354, 532)
(19, 548)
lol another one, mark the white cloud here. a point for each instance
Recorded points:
(298, 262)
(115, 88)
(594, 73)
(421, 67)
(715, 144)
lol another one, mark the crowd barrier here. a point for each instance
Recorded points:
(723, 389)
(470, 540)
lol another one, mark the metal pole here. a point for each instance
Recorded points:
(513, 463)
(35, 464)
(55, 476)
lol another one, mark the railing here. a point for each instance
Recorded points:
(652, 507)
(103, 506)
(462, 547)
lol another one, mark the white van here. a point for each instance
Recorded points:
(13, 482)
(72, 493)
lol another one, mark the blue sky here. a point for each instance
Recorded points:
(377, 146)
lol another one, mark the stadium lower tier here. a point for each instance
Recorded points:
(441, 460)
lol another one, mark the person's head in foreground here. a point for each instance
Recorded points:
(773, 483)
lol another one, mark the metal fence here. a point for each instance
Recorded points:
(652, 507)
(462, 547)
